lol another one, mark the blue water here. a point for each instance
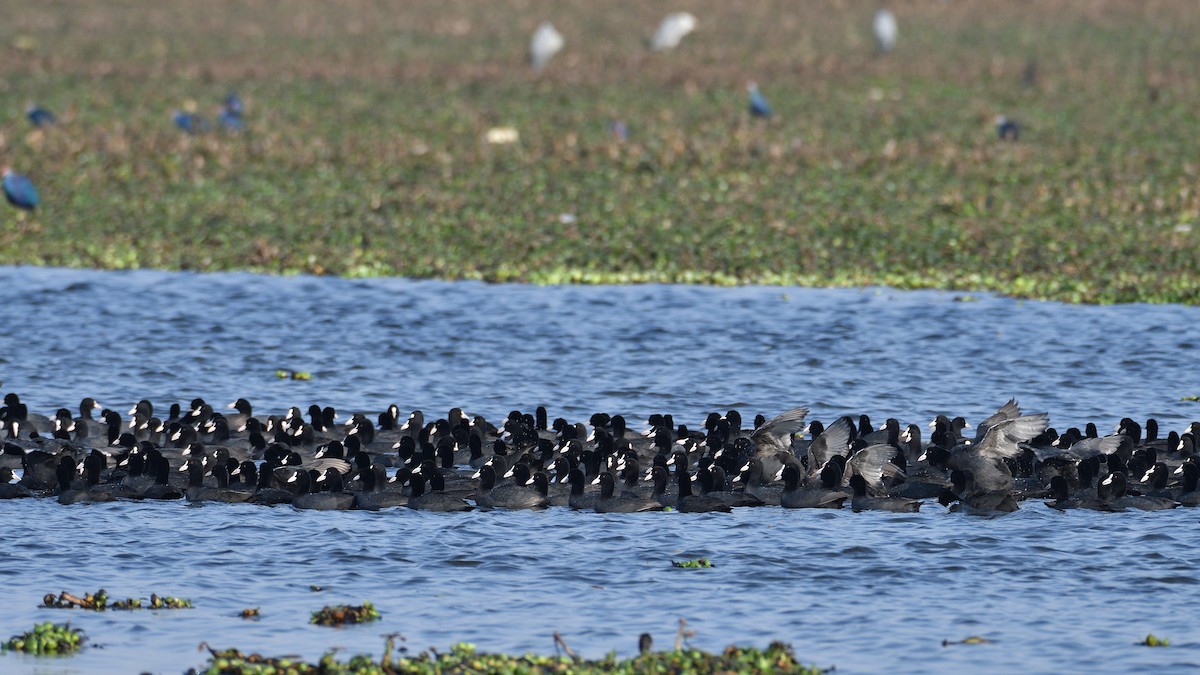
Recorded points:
(864, 592)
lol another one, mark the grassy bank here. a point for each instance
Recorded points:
(365, 153)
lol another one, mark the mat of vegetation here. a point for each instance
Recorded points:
(463, 658)
(99, 601)
(340, 615)
(46, 639)
(365, 150)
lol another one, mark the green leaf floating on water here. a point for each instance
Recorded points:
(1154, 641)
(692, 564)
(1190, 398)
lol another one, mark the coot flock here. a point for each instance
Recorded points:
(460, 462)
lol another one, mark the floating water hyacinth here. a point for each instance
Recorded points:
(46, 639)
(672, 30)
(546, 42)
(20, 191)
(343, 614)
(972, 640)
(100, 601)
(289, 374)
(463, 657)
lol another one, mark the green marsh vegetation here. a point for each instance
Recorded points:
(464, 658)
(365, 152)
(46, 639)
(100, 601)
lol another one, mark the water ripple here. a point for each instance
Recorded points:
(1080, 582)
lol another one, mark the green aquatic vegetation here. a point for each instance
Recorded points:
(46, 639)
(1190, 398)
(698, 563)
(95, 601)
(1154, 641)
(874, 171)
(100, 601)
(167, 602)
(464, 658)
(285, 374)
(340, 615)
(972, 640)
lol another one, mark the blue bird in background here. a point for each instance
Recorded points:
(230, 117)
(1007, 129)
(39, 116)
(620, 132)
(19, 190)
(758, 105)
(233, 105)
(188, 122)
(231, 121)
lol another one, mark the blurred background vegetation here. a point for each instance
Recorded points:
(366, 150)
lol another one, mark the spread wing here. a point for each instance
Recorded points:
(1008, 411)
(1001, 439)
(873, 463)
(833, 441)
(1085, 448)
(777, 431)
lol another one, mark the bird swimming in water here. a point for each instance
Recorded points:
(884, 27)
(20, 191)
(546, 42)
(757, 103)
(1006, 129)
(39, 116)
(674, 27)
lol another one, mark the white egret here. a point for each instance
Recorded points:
(884, 25)
(546, 42)
(672, 29)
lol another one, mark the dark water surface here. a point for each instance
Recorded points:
(865, 592)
